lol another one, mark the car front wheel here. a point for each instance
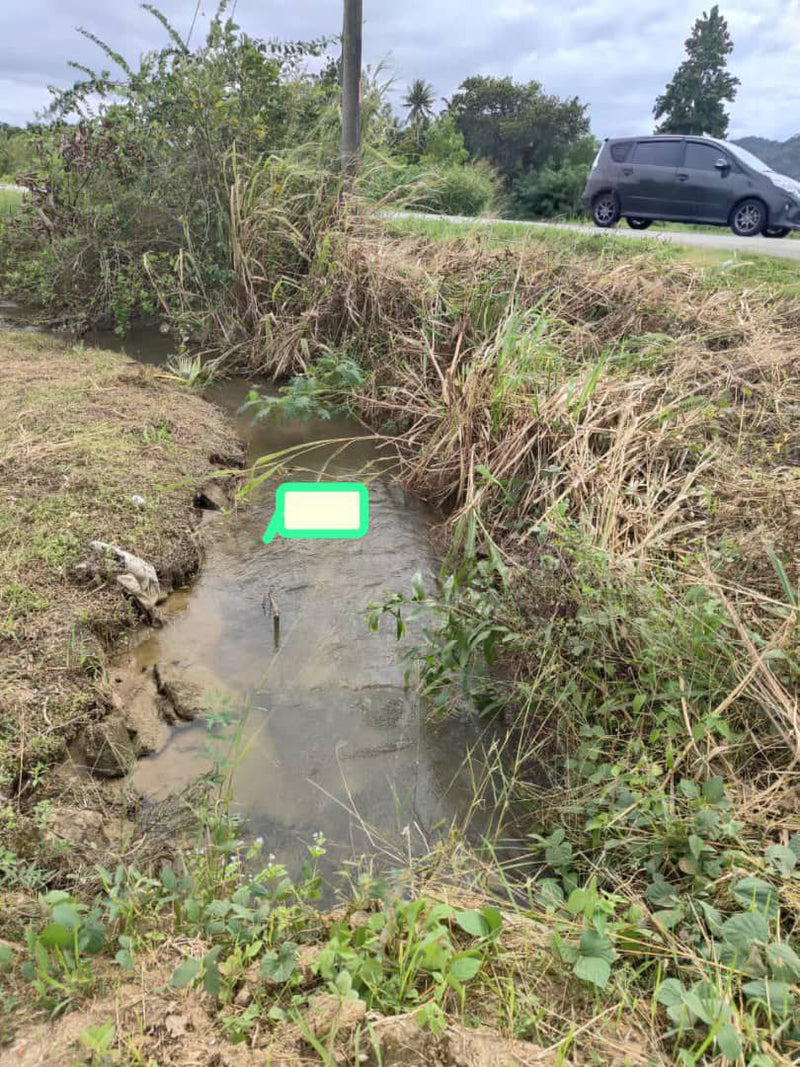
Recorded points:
(781, 231)
(605, 210)
(749, 218)
(639, 224)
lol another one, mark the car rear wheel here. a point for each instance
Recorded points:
(605, 210)
(749, 218)
(781, 231)
(639, 224)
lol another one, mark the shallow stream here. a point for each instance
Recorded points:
(335, 742)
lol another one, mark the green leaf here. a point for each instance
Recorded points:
(714, 790)
(549, 893)
(794, 844)
(432, 955)
(782, 859)
(472, 922)
(463, 968)
(168, 878)
(66, 914)
(185, 973)
(712, 916)
(784, 962)
(757, 895)
(56, 896)
(55, 935)
(278, 967)
(596, 944)
(494, 920)
(670, 992)
(6, 957)
(371, 973)
(92, 936)
(745, 929)
(578, 900)
(593, 969)
(124, 959)
(558, 855)
(728, 1042)
(776, 995)
(668, 917)
(704, 1001)
(661, 892)
(211, 979)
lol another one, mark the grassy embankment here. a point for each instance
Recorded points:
(674, 227)
(615, 443)
(614, 434)
(83, 434)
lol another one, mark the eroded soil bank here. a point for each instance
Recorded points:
(93, 447)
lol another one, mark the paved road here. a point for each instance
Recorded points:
(787, 248)
(724, 241)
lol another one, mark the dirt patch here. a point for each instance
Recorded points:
(180, 1029)
(93, 447)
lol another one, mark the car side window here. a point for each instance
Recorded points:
(621, 151)
(658, 153)
(702, 156)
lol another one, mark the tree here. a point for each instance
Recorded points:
(693, 100)
(518, 127)
(444, 142)
(419, 103)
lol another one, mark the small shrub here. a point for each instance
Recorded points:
(438, 189)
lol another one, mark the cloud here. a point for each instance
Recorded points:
(617, 64)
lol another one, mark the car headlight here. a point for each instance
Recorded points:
(786, 185)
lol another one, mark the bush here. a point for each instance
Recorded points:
(440, 190)
(139, 187)
(552, 191)
(444, 142)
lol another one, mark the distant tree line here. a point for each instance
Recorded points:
(497, 143)
(540, 147)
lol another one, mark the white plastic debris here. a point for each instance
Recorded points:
(135, 575)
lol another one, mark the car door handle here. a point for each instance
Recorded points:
(682, 176)
(627, 171)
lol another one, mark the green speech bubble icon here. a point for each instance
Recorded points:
(309, 510)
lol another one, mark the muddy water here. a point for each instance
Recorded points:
(334, 740)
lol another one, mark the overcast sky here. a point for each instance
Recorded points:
(616, 57)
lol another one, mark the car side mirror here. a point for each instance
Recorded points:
(722, 165)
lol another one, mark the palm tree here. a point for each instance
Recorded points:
(419, 103)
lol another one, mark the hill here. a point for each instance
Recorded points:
(783, 156)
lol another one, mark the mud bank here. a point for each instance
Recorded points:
(93, 447)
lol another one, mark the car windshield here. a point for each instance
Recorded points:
(747, 157)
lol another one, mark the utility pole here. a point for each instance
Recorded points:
(351, 83)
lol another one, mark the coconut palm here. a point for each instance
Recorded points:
(419, 103)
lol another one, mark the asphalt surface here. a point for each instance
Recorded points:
(784, 248)
(724, 241)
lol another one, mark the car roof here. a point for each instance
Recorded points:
(665, 137)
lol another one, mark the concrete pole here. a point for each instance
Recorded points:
(351, 83)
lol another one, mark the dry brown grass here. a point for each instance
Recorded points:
(660, 412)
